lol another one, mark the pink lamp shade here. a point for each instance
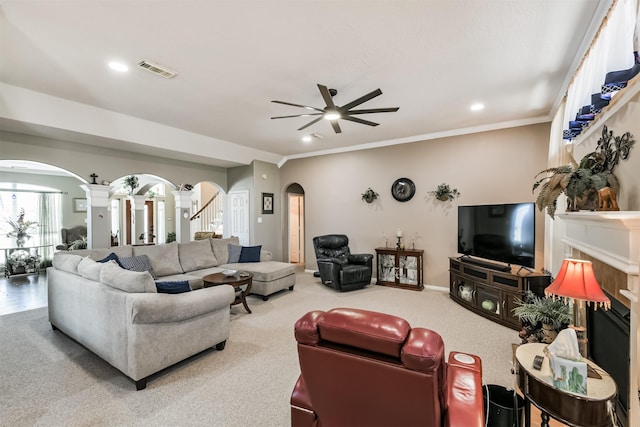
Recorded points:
(576, 280)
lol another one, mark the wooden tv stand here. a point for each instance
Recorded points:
(491, 293)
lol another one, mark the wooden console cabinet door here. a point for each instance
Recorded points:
(400, 268)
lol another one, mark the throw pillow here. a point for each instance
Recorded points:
(66, 262)
(138, 263)
(128, 281)
(176, 287)
(90, 269)
(234, 253)
(250, 254)
(111, 257)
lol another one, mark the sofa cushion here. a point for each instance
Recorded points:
(221, 247)
(163, 258)
(137, 263)
(128, 281)
(250, 254)
(234, 253)
(90, 269)
(196, 255)
(100, 253)
(264, 271)
(66, 262)
(175, 287)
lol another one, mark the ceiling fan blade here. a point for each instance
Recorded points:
(357, 120)
(316, 120)
(298, 105)
(362, 99)
(336, 126)
(328, 99)
(373, 110)
(297, 115)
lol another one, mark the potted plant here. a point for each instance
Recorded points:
(542, 317)
(581, 182)
(21, 229)
(369, 195)
(131, 182)
(445, 193)
(21, 261)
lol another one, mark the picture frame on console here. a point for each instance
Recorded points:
(267, 203)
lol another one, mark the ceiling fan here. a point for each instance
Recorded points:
(334, 112)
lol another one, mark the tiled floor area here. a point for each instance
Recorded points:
(23, 293)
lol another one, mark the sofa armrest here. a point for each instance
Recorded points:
(265, 255)
(164, 308)
(465, 406)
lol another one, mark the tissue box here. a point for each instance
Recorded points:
(569, 375)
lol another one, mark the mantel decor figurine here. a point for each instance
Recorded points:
(589, 185)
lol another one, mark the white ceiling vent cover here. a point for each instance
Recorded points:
(157, 69)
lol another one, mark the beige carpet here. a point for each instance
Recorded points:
(47, 379)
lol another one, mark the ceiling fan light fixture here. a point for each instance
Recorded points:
(332, 115)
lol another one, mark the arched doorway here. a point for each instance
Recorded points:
(296, 221)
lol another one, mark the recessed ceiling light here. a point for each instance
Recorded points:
(477, 106)
(307, 138)
(118, 66)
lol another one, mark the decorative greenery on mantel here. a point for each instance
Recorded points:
(581, 182)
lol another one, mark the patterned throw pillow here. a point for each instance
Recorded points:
(173, 287)
(250, 254)
(138, 263)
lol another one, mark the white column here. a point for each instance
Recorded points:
(183, 213)
(137, 218)
(98, 221)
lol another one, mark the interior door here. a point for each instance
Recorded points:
(296, 228)
(239, 215)
(149, 220)
(128, 224)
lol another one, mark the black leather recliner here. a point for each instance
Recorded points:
(339, 268)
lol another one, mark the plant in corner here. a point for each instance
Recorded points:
(369, 195)
(445, 193)
(542, 317)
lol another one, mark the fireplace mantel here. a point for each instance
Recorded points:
(613, 238)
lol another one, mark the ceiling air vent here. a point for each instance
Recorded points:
(157, 69)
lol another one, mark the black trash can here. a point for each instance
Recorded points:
(504, 407)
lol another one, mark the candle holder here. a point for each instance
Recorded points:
(398, 246)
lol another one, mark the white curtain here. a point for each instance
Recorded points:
(49, 218)
(611, 50)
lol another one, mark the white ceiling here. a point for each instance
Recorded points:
(431, 58)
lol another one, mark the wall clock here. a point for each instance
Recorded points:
(403, 189)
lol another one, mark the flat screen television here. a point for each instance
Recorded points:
(503, 233)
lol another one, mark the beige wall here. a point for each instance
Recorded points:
(488, 167)
(107, 163)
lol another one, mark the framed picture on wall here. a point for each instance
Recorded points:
(79, 205)
(267, 203)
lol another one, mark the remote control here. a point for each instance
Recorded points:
(537, 362)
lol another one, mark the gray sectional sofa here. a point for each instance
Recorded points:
(119, 315)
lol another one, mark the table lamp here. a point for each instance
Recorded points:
(576, 281)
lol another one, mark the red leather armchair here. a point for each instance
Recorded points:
(363, 368)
